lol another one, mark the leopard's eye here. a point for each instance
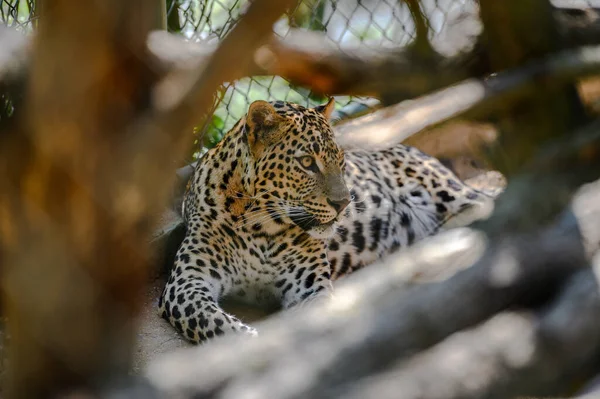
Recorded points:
(308, 163)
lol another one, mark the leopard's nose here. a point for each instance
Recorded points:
(339, 205)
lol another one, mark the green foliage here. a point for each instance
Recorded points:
(6, 107)
(173, 20)
(308, 15)
(213, 132)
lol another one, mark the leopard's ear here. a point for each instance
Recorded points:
(263, 125)
(327, 109)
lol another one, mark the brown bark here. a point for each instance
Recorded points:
(83, 180)
(551, 111)
(70, 244)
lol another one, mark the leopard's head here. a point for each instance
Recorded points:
(298, 169)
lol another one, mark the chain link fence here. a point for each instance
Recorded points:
(18, 13)
(376, 23)
(373, 23)
(385, 22)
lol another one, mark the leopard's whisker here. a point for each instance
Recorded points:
(258, 219)
(261, 215)
(352, 200)
(255, 216)
(245, 196)
(249, 218)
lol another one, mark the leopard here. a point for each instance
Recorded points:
(277, 211)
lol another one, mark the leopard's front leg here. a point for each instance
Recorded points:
(300, 282)
(190, 298)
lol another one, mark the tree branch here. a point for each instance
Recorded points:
(84, 178)
(308, 353)
(470, 99)
(421, 42)
(551, 111)
(313, 60)
(510, 355)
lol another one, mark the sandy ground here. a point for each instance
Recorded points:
(156, 336)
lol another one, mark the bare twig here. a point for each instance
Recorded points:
(312, 60)
(421, 42)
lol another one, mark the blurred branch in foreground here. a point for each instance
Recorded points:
(85, 178)
(68, 194)
(83, 181)
(379, 337)
(377, 316)
(471, 99)
(312, 60)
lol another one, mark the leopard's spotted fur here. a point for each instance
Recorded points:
(276, 212)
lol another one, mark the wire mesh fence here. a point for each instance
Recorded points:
(372, 23)
(18, 13)
(376, 23)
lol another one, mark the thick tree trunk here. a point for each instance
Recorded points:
(83, 181)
